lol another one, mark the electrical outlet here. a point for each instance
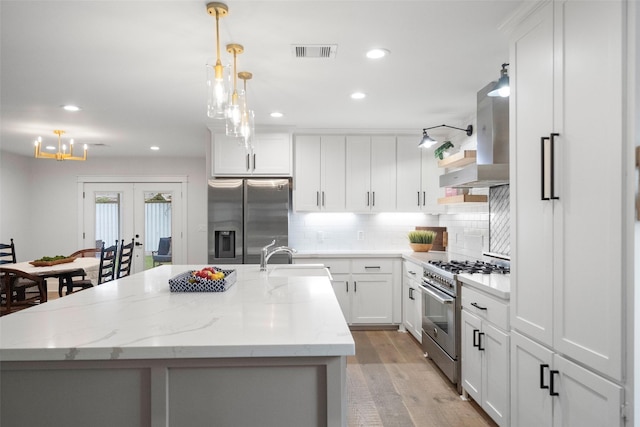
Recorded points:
(360, 235)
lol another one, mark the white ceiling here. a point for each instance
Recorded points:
(136, 68)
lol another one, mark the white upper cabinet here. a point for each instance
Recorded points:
(371, 173)
(418, 182)
(567, 177)
(319, 181)
(270, 157)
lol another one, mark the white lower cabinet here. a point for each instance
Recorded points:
(550, 390)
(485, 353)
(364, 287)
(412, 299)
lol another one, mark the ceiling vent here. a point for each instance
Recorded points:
(314, 50)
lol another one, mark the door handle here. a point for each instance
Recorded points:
(424, 198)
(542, 368)
(355, 286)
(323, 198)
(139, 244)
(418, 198)
(254, 161)
(542, 171)
(248, 166)
(552, 166)
(480, 335)
(475, 337)
(479, 307)
(347, 282)
(411, 293)
(552, 375)
(317, 198)
(367, 198)
(373, 199)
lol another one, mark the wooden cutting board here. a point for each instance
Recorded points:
(441, 240)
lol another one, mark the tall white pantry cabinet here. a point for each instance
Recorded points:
(568, 309)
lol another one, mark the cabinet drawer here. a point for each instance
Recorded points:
(485, 306)
(335, 265)
(412, 270)
(372, 266)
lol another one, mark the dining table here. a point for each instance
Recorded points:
(64, 271)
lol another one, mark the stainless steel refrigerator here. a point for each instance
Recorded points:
(246, 214)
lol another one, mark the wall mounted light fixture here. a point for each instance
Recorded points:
(427, 141)
(502, 88)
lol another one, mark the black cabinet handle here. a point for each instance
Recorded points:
(411, 293)
(418, 198)
(254, 162)
(347, 286)
(355, 286)
(552, 167)
(480, 335)
(542, 368)
(479, 307)
(317, 198)
(373, 203)
(424, 198)
(542, 194)
(248, 162)
(475, 338)
(367, 198)
(552, 392)
(323, 198)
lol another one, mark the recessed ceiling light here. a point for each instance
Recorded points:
(70, 107)
(276, 114)
(358, 95)
(155, 147)
(377, 53)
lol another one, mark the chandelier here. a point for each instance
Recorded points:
(62, 153)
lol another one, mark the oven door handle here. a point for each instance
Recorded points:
(438, 296)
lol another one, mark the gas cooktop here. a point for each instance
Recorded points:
(457, 267)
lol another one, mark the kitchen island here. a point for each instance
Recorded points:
(269, 351)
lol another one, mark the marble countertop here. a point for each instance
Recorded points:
(138, 318)
(495, 284)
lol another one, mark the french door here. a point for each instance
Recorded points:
(145, 211)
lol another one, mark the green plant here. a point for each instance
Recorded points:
(439, 152)
(422, 236)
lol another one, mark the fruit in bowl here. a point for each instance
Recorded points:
(209, 273)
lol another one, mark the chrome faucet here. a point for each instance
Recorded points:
(266, 253)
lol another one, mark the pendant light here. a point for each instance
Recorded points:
(247, 117)
(217, 74)
(502, 88)
(428, 142)
(233, 108)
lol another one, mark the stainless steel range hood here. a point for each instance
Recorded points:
(492, 157)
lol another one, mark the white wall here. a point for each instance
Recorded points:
(39, 206)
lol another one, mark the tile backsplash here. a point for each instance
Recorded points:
(468, 228)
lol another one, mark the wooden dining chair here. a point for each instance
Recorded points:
(69, 280)
(125, 256)
(7, 253)
(16, 287)
(108, 259)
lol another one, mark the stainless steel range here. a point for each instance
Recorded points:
(441, 311)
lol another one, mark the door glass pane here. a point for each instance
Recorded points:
(108, 218)
(157, 225)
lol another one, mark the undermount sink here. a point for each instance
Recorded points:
(299, 270)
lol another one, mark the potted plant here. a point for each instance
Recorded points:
(443, 150)
(421, 240)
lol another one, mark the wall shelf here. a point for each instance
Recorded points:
(459, 159)
(463, 198)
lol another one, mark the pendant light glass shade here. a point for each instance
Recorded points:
(217, 74)
(234, 113)
(218, 84)
(247, 117)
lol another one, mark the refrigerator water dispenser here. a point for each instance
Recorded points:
(225, 244)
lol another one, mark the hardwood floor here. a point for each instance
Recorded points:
(390, 383)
